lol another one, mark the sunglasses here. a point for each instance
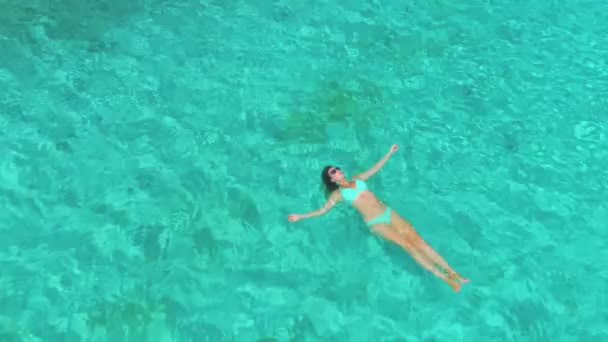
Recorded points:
(333, 171)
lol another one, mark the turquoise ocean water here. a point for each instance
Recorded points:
(150, 152)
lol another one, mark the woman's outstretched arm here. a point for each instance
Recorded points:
(365, 175)
(327, 206)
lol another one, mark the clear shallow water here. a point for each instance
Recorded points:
(151, 152)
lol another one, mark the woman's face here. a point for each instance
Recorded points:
(335, 173)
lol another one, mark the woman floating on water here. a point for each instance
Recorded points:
(382, 219)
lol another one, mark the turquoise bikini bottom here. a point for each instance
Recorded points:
(385, 217)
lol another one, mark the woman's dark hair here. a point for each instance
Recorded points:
(330, 186)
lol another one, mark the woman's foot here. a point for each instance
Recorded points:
(456, 276)
(461, 279)
(454, 284)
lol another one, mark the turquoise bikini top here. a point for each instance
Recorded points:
(350, 194)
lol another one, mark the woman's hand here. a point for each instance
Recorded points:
(294, 217)
(393, 148)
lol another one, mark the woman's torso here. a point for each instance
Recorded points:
(360, 197)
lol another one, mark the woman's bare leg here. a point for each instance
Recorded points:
(389, 233)
(418, 242)
(431, 254)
